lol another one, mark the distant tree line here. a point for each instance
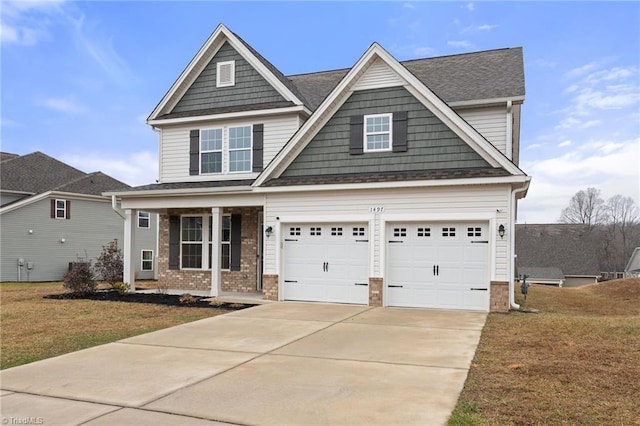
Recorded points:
(616, 223)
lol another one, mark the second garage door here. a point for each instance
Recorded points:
(438, 265)
(326, 263)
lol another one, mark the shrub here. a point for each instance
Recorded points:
(80, 279)
(187, 299)
(109, 264)
(123, 288)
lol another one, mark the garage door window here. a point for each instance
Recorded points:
(336, 232)
(448, 232)
(358, 232)
(424, 232)
(315, 232)
(474, 232)
(399, 232)
(294, 232)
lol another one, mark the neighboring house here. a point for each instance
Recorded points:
(389, 183)
(633, 266)
(561, 254)
(52, 214)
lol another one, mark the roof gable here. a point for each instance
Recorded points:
(378, 57)
(189, 92)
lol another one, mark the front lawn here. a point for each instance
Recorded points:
(33, 328)
(577, 361)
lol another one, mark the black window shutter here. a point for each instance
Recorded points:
(194, 152)
(68, 209)
(174, 242)
(258, 143)
(356, 141)
(53, 209)
(236, 242)
(400, 131)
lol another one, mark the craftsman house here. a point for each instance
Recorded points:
(388, 184)
(52, 214)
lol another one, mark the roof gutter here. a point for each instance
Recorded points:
(512, 244)
(114, 206)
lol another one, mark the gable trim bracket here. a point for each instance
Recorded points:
(418, 89)
(202, 58)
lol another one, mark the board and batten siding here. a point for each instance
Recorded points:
(174, 146)
(93, 224)
(250, 87)
(431, 144)
(440, 202)
(490, 122)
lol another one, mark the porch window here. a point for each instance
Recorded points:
(143, 219)
(191, 242)
(147, 260)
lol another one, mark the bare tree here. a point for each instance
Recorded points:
(623, 218)
(585, 207)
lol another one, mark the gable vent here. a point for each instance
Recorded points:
(226, 74)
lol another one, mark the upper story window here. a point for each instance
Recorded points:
(377, 132)
(240, 149)
(226, 74)
(211, 151)
(143, 219)
(60, 209)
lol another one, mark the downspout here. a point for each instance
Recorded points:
(512, 243)
(509, 132)
(114, 206)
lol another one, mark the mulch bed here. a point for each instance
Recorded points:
(155, 298)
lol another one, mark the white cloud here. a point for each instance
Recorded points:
(564, 143)
(138, 168)
(475, 28)
(408, 6)
(460, 43)
(7, 122)
(611, 166)
(534, 146)
(27, 23)
(424, 51)
(469, 6)
(65, 105)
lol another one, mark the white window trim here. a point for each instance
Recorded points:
(221, 151)
(232, 81)
(229, 150)
(365, 133)
(222, 242)
(64, 209)
(203, 242)
(226, 151)
(142, 260)
(148, 218)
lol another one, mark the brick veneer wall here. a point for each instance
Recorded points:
(244, 280)
(270, 287)
(375, 291)
(499, 296)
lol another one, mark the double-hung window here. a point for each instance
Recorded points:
(61, 209)
(240, 149)
(143, 219)
(377, 132)
(147, 260)
(211, 151)
(225, 237)
(192, 242)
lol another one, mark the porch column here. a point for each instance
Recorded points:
(129, 242)
(216, 226)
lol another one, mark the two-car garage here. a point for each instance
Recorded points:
(431, 264)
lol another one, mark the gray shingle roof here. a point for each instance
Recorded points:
(387, 177)
(7, 156)
(192, 185)
(473, 76)
(571, 248)
(37, 173)
(550, 273)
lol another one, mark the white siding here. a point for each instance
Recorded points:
(378, 75)
(491, 122)
(174, 146)
(441, 203)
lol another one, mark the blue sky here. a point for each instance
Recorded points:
(80, 78)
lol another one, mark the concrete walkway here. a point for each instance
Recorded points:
(274, 364)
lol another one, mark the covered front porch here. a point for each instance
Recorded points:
(215, 251)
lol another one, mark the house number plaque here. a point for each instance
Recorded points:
(376, 209)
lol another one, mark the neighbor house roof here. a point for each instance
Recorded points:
(633, 265)
(571, 248)
(37, 173)
(549, 273)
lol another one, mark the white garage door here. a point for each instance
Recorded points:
(326, 263)
(438, 265)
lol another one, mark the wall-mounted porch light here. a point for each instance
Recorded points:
(268, 231)
(501, 231)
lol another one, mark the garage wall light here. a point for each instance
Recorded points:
(268, 231)
(501, 231)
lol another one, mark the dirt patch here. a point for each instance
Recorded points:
(184, 300)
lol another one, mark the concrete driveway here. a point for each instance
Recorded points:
(273, 364)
